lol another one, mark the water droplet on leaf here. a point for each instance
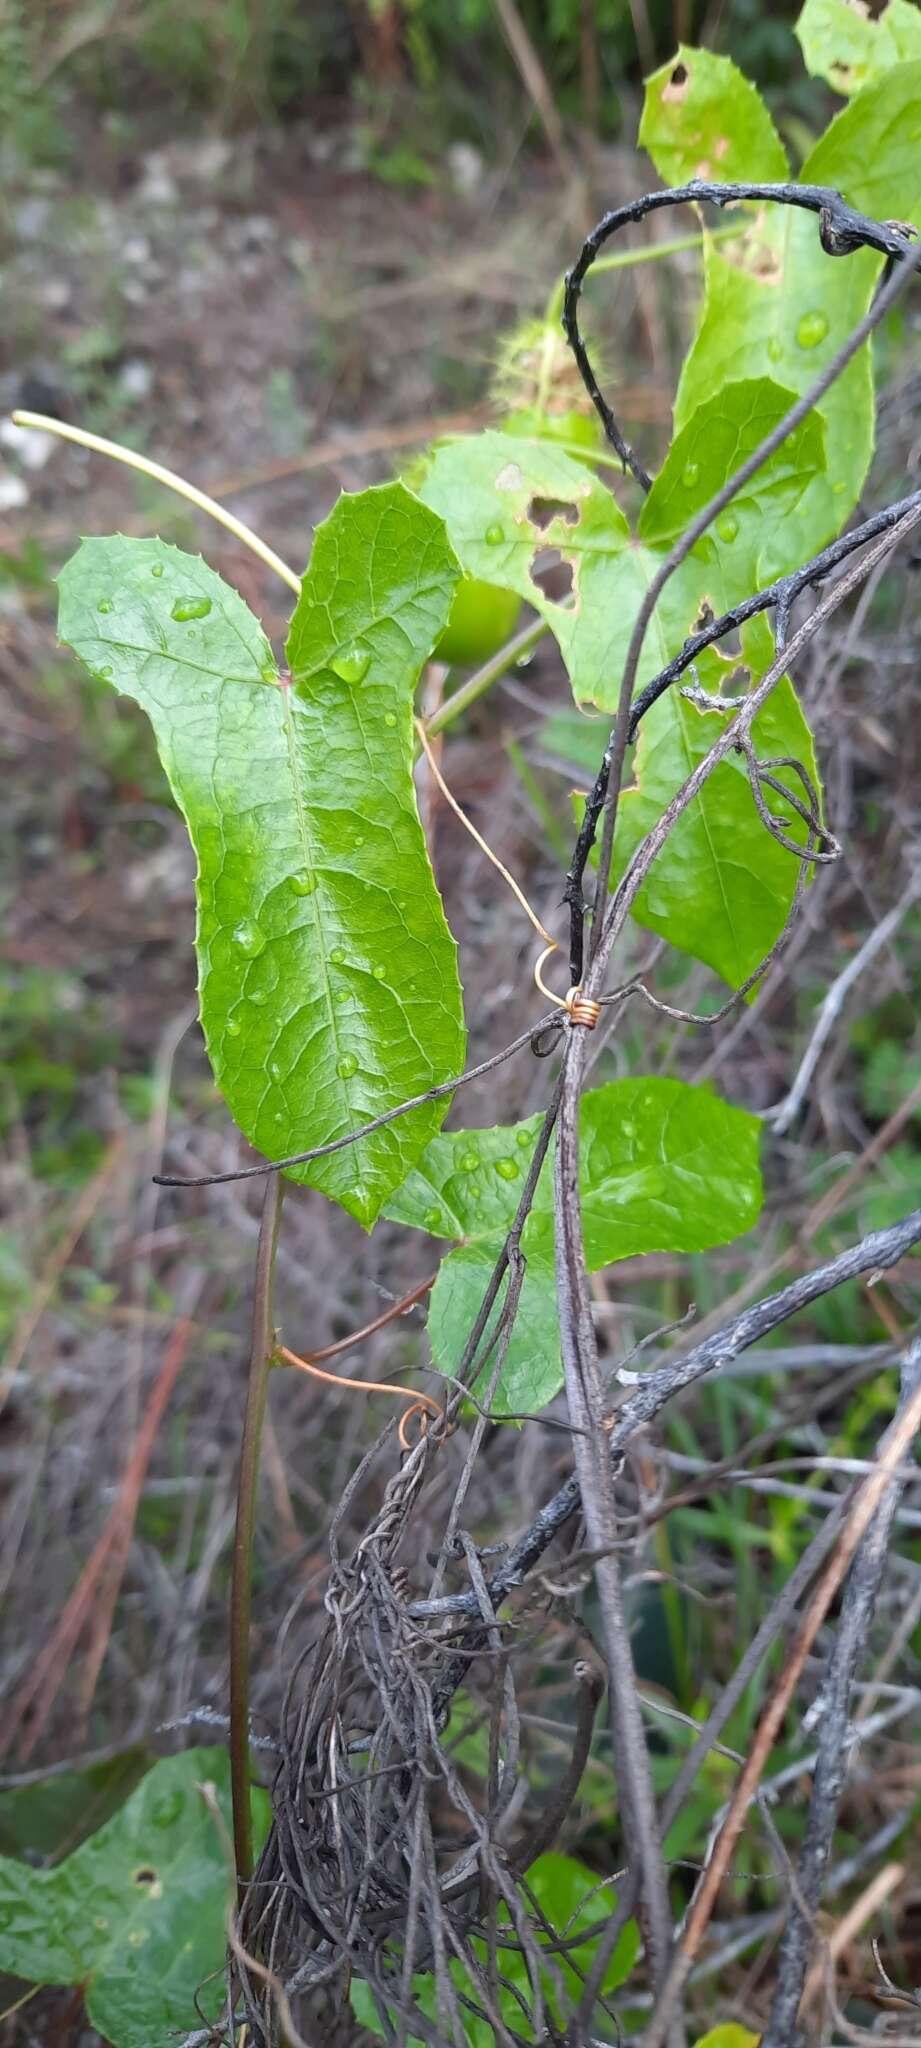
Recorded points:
(390, 718)
(351, 664)
(337, 955)
(690, 474)
(433, 1221)
(105, 605)
(233, 1026)
(775, 350)
(811, 329)
(727, 526)
(508, 1169)
(156, 568)
(495, 534)
(275, 1070)
(378, 972)
(470, 1162)
(303, 885)
(248, 938)
(524, 1139)
(347, 1066)
(190, 608)
(104, 674)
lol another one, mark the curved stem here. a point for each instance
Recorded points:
(43, 424)
(629, 258)
(260, 1365)
(491, 672)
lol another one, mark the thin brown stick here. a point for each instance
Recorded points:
(417, 1402)
(388, 1116)
(260, 1361)
(105, 1565)
(536, 82)
(397, 1308)
(865, 1501)
(864, 1908)
(83, 1210)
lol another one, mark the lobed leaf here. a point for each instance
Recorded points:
(506, 503)
(776, 306)
(664, 1167)
(721, 887)
(328, 977)
(705, 895)
(136, 1915)
(845, 43)
(702, 118)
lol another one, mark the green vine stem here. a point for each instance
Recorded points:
(498, 665)
(260, 1366)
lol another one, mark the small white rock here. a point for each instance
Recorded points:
(54, 293)
(13, 493)
(206, 159)
(30, 446)
(30, 219)
(157, 187)
(136, 249)
(136, 378)
(465, 168)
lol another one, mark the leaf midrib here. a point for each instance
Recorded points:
(312, 869)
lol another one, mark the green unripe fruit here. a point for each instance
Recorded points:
(482, 619)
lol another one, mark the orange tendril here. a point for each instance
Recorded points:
(422, 1405)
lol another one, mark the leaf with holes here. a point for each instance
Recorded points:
(509, 505)
(665, 1167)
(703, 119)
(776, 306)
(328, 976)
(843, 41)
(722, 887)
(136, 1915)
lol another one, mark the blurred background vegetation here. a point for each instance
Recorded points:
(394, 63)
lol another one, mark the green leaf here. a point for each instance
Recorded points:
(703, 119)
(505, 502)
(137, 1914)
(571, 1897)
(842, 41)
(721, 888)
(507, 509)
(665, 1167)
(49, 1818)
(328, 976)
(532, 1372)
(776, 306)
